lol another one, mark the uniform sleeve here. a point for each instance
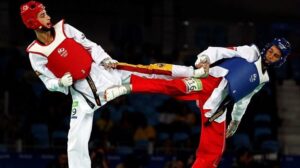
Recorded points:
(240, 107)
(38, 64)
(97, 52)
(217, 53)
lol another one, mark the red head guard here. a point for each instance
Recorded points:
(29, 13)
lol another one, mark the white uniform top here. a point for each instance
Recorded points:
(101, 77)
(251, 54)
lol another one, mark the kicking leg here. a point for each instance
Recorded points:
(174, 87)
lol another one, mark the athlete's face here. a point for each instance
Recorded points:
(273, 54)
(44, 19)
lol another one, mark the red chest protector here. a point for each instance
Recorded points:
(64, 55)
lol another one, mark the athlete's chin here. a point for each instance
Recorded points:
(268, 61)
(49, 25)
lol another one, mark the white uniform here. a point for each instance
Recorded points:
(82, 114)
(251, 54)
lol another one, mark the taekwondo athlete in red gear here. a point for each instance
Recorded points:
(66, 61)
(240, 75)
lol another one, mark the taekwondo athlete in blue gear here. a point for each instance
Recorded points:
(243, 70)
(245, 75)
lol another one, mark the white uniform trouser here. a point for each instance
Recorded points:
(79, 133)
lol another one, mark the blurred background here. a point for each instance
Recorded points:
(130, 132)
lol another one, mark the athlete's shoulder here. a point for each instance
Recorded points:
(30, 45)
(59, 24)
(69, 27)
(249, 52)
(62, 21)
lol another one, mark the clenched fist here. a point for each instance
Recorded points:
(202, 61)
(66, 80)
(109, 63)
(202, 64)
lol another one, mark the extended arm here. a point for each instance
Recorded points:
(238, 111)
(214, 54)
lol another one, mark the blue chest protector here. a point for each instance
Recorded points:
(242, 77)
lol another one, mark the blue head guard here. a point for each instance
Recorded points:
(283, 45)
